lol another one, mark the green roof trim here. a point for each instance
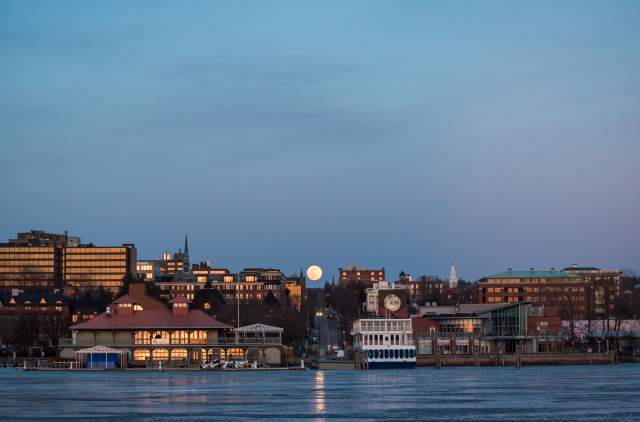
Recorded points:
(533, 274)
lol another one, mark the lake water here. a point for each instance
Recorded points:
(562, 393)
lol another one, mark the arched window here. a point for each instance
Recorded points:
(180, 337)
(386, 353)
(141, 355)
(160, 354)
(137, 307)
(142, 337)
(198, 337)
(178, 354)
(235, 353)
(401, 353)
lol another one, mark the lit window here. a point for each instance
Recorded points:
(137, 307)
(141, 355)
(161, 354)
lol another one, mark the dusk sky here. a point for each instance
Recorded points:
(399, 134)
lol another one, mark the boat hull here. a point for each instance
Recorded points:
(391, 365)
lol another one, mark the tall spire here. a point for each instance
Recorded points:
(453, 278)
(186, 264)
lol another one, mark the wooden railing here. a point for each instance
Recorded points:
(230, 341)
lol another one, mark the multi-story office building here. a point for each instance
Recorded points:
(364, 275)
(41, 238)
(553, 288)
(92, 267)
(33, 260)
(604, 286)
(427, 288)
(177, 262)
(43, 261)
(29, 267)
(148, 269)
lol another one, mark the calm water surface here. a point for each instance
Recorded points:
(566, 393)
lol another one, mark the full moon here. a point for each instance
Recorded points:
(314, 273)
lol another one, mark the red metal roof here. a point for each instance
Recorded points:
(153, 319)
(179, 299)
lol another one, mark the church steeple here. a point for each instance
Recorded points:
(453, 278)
(187, 263)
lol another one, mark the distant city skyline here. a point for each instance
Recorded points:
(406, 135)
(328, 272)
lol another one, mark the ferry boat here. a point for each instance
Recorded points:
(383, 343)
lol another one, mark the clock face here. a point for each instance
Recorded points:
(392, 303)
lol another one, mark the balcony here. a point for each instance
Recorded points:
(230, 341)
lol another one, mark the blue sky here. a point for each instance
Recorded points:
(399, 134)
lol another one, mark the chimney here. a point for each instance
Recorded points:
(124, 309)
(136, 290)
(180, 306)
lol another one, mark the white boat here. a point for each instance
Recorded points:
(383, 343)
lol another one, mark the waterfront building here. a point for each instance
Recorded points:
(469, 329)
(352, 274)
(383, 343)
(150, 333)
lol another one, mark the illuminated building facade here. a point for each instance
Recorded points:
(148, 269)
(553, 288)
(365, 275)
(92, 267)
(296, 287)
(29, 267)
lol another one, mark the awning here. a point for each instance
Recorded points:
(99, 349)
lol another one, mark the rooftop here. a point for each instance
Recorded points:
(532, 274)
(154, 315)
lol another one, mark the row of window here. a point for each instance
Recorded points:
(112, 276)
(83, 251)
(384, 325)
(175, 337)
(26, 257)
(26, 263)
(391, 354)
(83, 283)
(392, 339)
(101, 263)
(26, 249)
(95, 270)
(531, 280)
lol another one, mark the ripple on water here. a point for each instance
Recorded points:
(565, 393)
